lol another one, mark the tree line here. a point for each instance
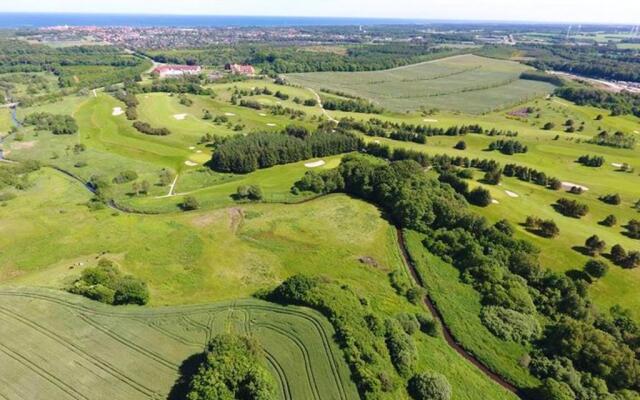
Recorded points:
(243, 154)
(56, 124)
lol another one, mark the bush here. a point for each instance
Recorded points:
(409, 323)
(56, 124)
(428, 324)
(147, 129)
(510, 325)
(125, 177)
(106, 284)
(591, 161)
(480, 197)
(596, 269)
(610, 220)
(402, 350)
(429, 386)
(633, 229)
(571, 208)
(461, 145)
(250, 192)
(189, 203)
(594, 245)
(613, 199)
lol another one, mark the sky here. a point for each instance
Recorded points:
(598, 11)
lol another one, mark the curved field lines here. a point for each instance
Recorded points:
(56, 345)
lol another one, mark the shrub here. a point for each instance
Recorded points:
(610, 220)
(402, 350)
(130, 290)
(596, 269)
(428, 324)
(633, 229)
(415, 295)
(571, 208)
(613, 199)
(147, 129)
(549, 126)
(480, 197)
(125, 177)
(508, 147)
(429, 386)
(249, 192)
(591, 161)
(510, 325)
(461, 145)
(106, 284)
(189, 203)
(594, 245)
(408, 322)
(56, 124)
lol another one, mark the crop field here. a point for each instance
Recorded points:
(135, 353)
(465, 83)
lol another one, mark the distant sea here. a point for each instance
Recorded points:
(39, 20)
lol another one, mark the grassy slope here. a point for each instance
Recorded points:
(5, 121)
(466, 83)
(460, 306)
(135, 353)
(213, 255)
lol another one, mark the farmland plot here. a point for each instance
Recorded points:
(56, 345)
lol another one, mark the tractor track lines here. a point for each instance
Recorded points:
(92, 359)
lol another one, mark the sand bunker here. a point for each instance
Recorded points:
(199, 151)
(315, 164)
(271, 124)
(262, 114)
(190, 163)
(617, 165)
(430, 120)
(511, 194)
(180, 117)
(230, 114)
(117, 111)
(192, 147)
(569, 185)
(494, 201)
(376, 141)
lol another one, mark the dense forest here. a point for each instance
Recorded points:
(273, 59)
(581, 353)
(593, 61)
(618, 103)
(243, 154)
(75, 67)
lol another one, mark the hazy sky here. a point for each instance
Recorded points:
(611, 11)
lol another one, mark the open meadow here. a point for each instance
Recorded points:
(464, 83)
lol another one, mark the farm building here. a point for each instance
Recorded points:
(238, 69)
(170, 71)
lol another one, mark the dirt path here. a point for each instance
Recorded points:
(448, 336)
(319, 100)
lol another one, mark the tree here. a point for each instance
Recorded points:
(461, 145)
(555, 390)
(480, 197)
(549, 229)
(596, 268)
(166, 177)
(618, 254)
(130, 290)
(429, 386)
(189, 203)
(610, 220)
(549, 126)
(633, 229)
(594, 245)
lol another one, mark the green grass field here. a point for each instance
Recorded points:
(462, 83)
(136, 353)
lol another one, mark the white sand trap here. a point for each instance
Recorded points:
(117, 111)
(190, 163)
(315, 164)
(511, 194)
(199, 151)
(262, 114)
(617, 165)
(230, 114)
(636, 131)
(569, 185)
(494, 201)
(430, 120)
(271, 124)
(192, 147)
(180, 117)
(376, 141)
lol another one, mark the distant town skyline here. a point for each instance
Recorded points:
(586, 11)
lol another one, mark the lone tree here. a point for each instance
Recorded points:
(479, 197)
(189, 204)
(596, 269)
(610, 220)
(429, 386)
(461, 145)
(594, 245)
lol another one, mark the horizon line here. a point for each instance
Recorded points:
(408, 20)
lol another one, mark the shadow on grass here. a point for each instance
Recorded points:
(188, 368)
(577, 275)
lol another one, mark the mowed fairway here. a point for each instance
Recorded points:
(465, 83)
(136, 353)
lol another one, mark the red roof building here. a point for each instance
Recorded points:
(239, 69)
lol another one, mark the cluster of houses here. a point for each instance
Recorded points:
(176, 71)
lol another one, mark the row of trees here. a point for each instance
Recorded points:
(351, 105)
(618, 140)
(508, 147)
(618, 103)
(147, 129)
(243, 154)
(591, 161)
